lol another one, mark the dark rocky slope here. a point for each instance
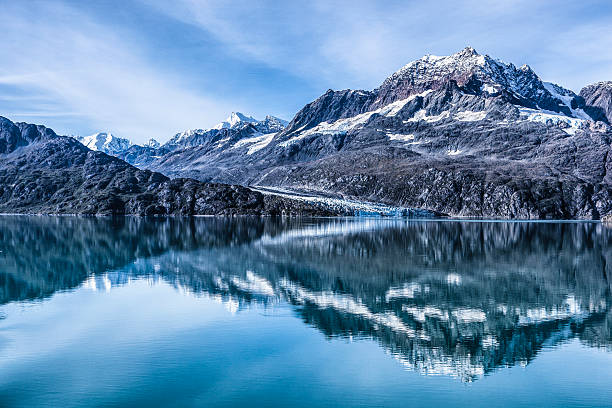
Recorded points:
(464, 135)
(598, 98)
(41, 172)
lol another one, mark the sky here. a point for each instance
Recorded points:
(151, 68)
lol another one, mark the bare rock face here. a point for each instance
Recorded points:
(598, 98)
(41, 172)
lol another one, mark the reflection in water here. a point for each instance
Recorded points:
(452, 298)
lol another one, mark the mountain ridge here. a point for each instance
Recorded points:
(43, 173)
(463, 135)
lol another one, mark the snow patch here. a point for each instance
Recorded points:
(566, 96)
(342, 126)
(470, 116)
(554, 118)
(257, 142)
(421, 115)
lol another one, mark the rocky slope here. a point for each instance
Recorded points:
(465, 135)
(598, 98)
(41, 172)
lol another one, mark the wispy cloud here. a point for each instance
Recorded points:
(90, 70)
(358, 43)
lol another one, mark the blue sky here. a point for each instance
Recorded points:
(151, 68)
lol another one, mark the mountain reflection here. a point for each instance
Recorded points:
(452, 298)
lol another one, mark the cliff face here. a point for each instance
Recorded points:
(598, 98)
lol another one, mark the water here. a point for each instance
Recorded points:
(331, 312)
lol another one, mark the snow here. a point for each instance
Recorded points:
(105, 142)
(152, 143)
(179, 137)
(544, 116)
(342, 126)
(566, 96)
(257, 142)
(219, 144)
(400, 137)
(490, 89)
(454, 152)
(358, 207)
(233, 119)
(421, 115)
(470, 116)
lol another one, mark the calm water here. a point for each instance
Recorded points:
(345, 312)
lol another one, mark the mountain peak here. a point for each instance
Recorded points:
(477, 74)
(467, 52)
(152, 143)
(234, 119)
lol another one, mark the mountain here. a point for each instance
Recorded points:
(41, 172)
(464, 135)
(152, 143)
(233, 120)
(105, 142)
(236, 124)
(238, 130)
(598, 97)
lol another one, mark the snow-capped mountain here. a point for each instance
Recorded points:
(152, 143)
(105, 142)
(478, 74)
(464, 134)
(233, 120)
(236, 123)
(271, 124)
(471, 72)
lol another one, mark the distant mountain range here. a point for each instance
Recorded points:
(43, 173)
(462, 135)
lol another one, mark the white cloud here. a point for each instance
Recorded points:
(93, 71)
(358, 43)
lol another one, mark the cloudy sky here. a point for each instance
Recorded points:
(151, 68)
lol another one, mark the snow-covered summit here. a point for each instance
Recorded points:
(105, 142)
(233, 120)
(478, 74)
(237, 123)
(152, 143)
